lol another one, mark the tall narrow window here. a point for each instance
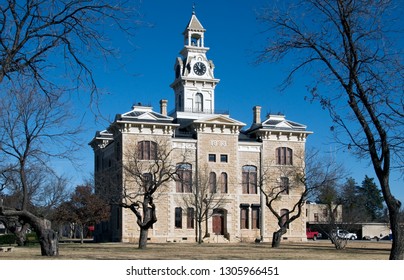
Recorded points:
(284, 156)
(178, 217)
(212, 182)
(184, 178)
(190, 217)
(223, 182)
(255, 216)
(284, 216)
(147, 150)
(244, 216)
(284, 185)
(199, 102)
(249, 179)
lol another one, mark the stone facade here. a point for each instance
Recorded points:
(214, 146)
(320, 213)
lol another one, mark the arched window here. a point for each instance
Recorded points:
(212, 182)
(284, 156)
(223, 182)
(184, 178)
(147, 150)
(199, 102)
(249, 179)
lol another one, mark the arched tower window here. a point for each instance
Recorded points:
(199, 102)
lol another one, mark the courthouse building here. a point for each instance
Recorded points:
(241, 158)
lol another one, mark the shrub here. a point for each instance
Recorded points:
(7, 239)
(31, 238)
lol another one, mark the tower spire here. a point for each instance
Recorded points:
(193, 8)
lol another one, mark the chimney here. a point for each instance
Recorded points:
(257, 114)
(163, 107)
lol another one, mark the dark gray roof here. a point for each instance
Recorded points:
(277, 123)
(143, 114)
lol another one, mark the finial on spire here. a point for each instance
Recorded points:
(193, 8)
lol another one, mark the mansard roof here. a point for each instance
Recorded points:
(277, 123)
(280, 122)
(101, 139)
(141, 113)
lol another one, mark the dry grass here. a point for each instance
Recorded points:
(319, 250)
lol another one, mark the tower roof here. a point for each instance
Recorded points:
(194, 25)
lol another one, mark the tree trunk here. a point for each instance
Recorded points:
(82, 234)
(48, 239)
(49, 242)
(21, 234)
(393, 206)
(276, 239)
(20, 238)
(200, 232)
(143, 237)
(339, 243)
(397, 247)
(277, 236)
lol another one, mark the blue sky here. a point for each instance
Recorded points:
(145, 70)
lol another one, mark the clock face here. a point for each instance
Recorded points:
(199, 68)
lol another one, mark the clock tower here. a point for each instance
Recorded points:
(194, 84)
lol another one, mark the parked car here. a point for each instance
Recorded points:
(312, 234)
(344, 234)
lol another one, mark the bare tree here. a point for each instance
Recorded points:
(143, 180)
(45, 192)
(31, 135)
(206, 194)
(329, 196)
(300, 180)
(349, 47)
(41, 38)
(273, 192)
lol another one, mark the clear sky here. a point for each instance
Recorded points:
(146, 69)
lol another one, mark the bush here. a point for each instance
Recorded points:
(31, 238)
(7, 239)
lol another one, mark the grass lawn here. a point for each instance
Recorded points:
(311, 250)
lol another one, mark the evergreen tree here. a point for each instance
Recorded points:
(371, 199)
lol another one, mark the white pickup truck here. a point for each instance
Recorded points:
(344, 234)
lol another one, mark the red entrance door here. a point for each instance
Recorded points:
(218, 224)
